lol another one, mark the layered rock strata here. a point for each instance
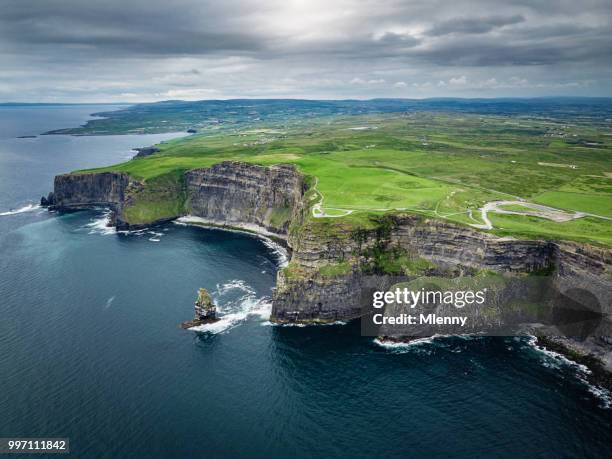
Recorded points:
(233, 193)
(306, 291)
(228, 193)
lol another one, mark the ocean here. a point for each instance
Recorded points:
(91, 348)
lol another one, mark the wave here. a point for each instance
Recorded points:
(137, 232)
(604, 395)
(246, 228)
(100, 225)
(426, 343)
(555, 360)
(260, 307)
(155, 236)
(267, 323)
(21, 210)
(109, 302)
(302, 325)
(233, 312)
(402, 347)
(282, 256)
(235, 284)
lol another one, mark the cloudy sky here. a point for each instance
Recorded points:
(145, 50)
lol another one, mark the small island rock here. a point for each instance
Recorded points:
(204, 306)
(205, 310)
(47, 201)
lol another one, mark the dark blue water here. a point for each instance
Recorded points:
(90, 347)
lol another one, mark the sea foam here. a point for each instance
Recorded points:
(21, 210)
(554, 360)
(100, 224)
(232, 313)
(399, 347)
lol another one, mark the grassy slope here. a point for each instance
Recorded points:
(439, 165)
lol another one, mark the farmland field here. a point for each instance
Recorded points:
(444, 165)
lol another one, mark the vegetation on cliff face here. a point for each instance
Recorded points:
(335, 269)
(163, 197)
(382, 257)
(439, 165)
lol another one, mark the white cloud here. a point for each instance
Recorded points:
(462, 80)
(192, 93)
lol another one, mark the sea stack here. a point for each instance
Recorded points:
(205, 310)
(47, 201)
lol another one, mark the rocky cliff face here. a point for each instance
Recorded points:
(74, 191)
(450, 244)
(82, 191)
(231, 193)
(306, 291)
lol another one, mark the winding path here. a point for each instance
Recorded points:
(537, 210)
(317, 209)
(534, 210)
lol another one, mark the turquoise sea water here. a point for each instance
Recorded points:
(91, 349)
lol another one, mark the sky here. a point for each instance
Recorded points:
(149, 50)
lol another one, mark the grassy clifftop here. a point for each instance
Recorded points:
(441, 165)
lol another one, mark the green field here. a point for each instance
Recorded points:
(441, 165)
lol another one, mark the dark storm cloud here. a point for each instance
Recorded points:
(123, 27)
(558, 46)
(153, 49)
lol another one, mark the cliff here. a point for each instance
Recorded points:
(232, 193)
(332, 274)
(228, 193)
(87, 190)
(74, 191)
(335, 266)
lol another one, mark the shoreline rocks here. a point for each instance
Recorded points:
(48, 201)
(594, 353)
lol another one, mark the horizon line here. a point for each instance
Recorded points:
(509, 98)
